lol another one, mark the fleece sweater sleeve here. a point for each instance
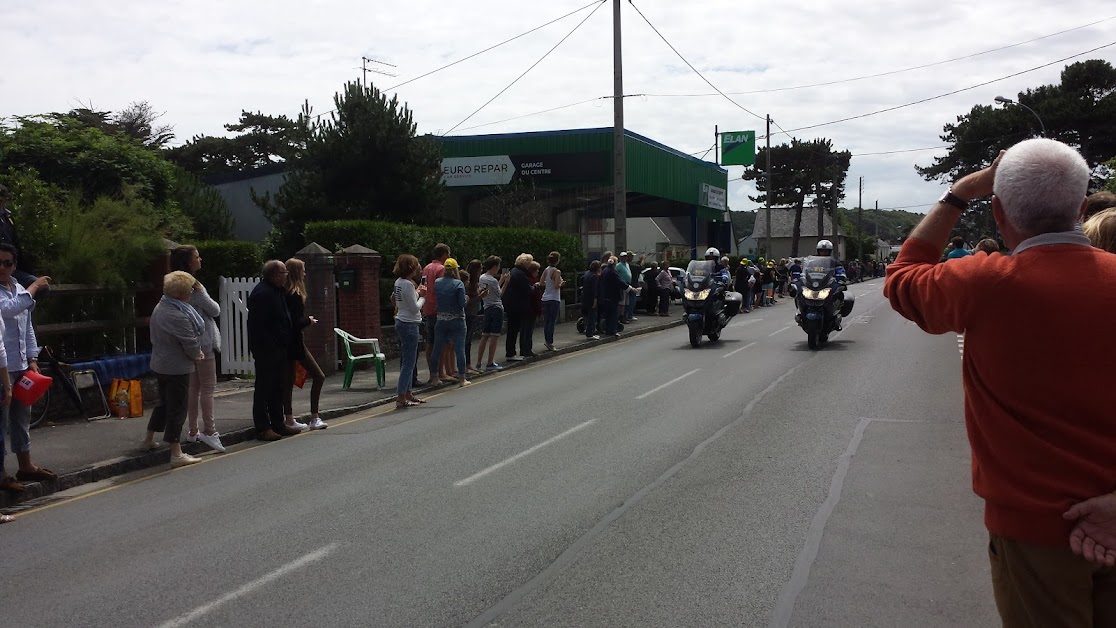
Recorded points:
(938, 297)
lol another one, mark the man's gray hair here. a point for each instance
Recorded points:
(1041, 184)
(272, 268)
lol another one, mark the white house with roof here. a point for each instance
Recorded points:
(782, 234)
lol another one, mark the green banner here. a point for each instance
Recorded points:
(738, 148)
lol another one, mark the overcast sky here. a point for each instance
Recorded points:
(202, 62)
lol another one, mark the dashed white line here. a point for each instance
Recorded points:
(673, 381)
(528, 452)
(780, 331)
(312, 557)
(732, 353)
(747, 322)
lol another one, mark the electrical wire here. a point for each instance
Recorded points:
(690, 65)
(506, 41)
(956, 91)
(890, 72)
(552, 49)
(528, 115)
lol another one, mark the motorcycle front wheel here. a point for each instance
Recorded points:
(695, 336)
(813, 339)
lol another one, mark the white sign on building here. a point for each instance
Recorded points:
(713, 197)
(488, 170)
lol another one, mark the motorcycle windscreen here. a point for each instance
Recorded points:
(817, 272)
(699, 274)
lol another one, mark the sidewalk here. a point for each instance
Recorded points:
(84, 452)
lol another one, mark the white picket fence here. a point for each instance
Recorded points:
(235, 357)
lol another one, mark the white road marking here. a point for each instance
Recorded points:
(673, 381)
(732, 353)
(528, 452)
(306, 560)
(862, 294)
(780, 331)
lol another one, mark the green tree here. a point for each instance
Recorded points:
(203, 205)
(801, 170)
(261, 140)
(1080, 111)
(365, 161)
(138, 121)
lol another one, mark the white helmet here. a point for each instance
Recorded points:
(825, 245)
(712, 252)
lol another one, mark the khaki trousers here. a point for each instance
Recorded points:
(1046, 586)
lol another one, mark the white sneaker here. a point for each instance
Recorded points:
(191, 437)
(594, 337)
(183, 460)
(318, 424)
(299, 425)
(213, 441)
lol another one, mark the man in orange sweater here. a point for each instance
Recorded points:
(1042, 439)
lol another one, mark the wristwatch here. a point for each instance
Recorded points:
(949, 198)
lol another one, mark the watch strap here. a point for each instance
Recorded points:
(949, 198)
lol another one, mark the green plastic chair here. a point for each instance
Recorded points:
(379, 359)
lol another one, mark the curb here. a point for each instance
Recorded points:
(105, 469)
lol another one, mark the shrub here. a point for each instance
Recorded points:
(229, 258)
(466, 243)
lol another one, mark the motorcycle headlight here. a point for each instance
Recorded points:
(816, 295)
(697, 296)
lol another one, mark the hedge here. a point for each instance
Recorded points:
(466, 243)
(230, 258)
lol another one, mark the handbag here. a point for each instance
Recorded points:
(299, 375)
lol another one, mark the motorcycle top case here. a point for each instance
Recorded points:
(733, 301)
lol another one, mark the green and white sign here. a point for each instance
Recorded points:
(738, 148)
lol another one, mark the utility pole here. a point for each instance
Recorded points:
(769, 190)
(878, 227)
(716, 145)
(619, 179)
(860, 220)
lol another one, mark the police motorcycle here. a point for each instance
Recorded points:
(820, 296)
(708, 303)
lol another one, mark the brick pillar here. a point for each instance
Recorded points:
(358, 308)
(321, 303)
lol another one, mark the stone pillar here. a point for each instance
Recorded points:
(358, 292)
(321, 303)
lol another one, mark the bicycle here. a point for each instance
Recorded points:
(61, 382)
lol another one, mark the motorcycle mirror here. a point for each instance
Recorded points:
(793, 290)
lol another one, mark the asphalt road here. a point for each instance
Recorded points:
(750, 482)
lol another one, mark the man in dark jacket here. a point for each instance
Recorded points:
(590, 294)
(269, 335)
(612, 290)
(517, 307)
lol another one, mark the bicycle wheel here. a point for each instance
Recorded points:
(40, 408)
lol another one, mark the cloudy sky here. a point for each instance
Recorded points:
(202, 62)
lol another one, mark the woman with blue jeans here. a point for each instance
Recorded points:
(450, 324)
(408, 316)
(552, 298)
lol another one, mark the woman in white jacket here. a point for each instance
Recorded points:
(408, 305)
(203, 380)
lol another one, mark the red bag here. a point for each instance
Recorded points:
(299, 374)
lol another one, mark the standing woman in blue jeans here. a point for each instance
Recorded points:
(449, 326)
(552, 297)
(408, 316)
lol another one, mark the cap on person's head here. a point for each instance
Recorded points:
(771, 264)
(625, 253)
(450, 263)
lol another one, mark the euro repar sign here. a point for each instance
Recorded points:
(589, 168)
(738, 148)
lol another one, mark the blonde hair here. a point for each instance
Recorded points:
(296, 278)
(534, 267)
(178, 284)
(450, 272)
(524, 260)
(1101, 230)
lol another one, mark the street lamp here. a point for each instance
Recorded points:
(1007, 101)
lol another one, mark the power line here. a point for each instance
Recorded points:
(956, 91)
(506, 41)
(690, 65)
(528, 115)
(552, 49)
(476, 54)
(890, 72)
